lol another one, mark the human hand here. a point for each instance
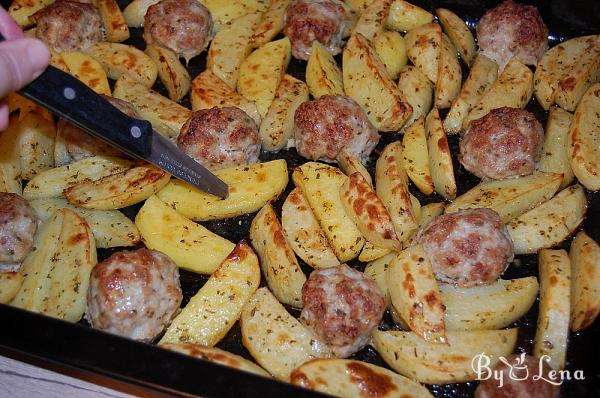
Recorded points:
(21, 60)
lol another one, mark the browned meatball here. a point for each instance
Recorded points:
(504, 143)
(512, 30)
(134, 294)
(469, 247)
(309, 20)
(18, 223)
(343, 307)
(522, 381)
(326, 126)
(220, 138)
(183, 26)
(69, 25)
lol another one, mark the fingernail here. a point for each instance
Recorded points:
(38, 55)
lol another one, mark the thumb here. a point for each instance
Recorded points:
(21, 61)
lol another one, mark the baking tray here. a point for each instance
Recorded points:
(147, 370)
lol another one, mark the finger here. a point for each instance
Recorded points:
(3, 116)
(8, 27)
(21, 61)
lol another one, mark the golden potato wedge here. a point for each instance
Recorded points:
(357, 6)
(323, 75)
(513, 88)
(278, 125)
(57, 61)
(51, 183)
(418, 91)
(351, 164)
(36, 138)
(275, 339)
(10, 159)
(209, 91)
(86, 69)
(549, 223)
(166, 116)
(566, 71)
(371, 252)
(405, 16)
(372, 19)
(415, 295)
(57, 271)
(277, 259)
(110, 228)
(10, 284)
(440, 159)
(171, 72)
(118, 190)
(415, 156)
(261, 72)
(449, 76)
(217, 355)
(391, 49)
(555, 308)
(224, 12)
(321, 185)
(555, 152)
(211, 312)
(190, 245)
(22, 10)
(433, 363)
(271, 23)
(367, 82)
(482, 75)
(250, 188)
(423, 48)
(230, 46)
(17, 103)
(62, 156)
(377, 270)
(135, 11)
(459, 34)
(585, 286)
(121, 59)
(304, 234)
(584, 140)
(115, 26)
(510, 197)
(348, 378)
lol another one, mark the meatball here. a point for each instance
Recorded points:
(134, 294)
(220, 138)
(69, 25)
(184, 26)
(308, 20)
(343, 307)
(504, 143)
(18, 223)
(326, 126)
(512, 30)
(468, 247)
(521, 380)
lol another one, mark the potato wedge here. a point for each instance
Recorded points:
(278, 125)
(10, 284)
(51, 183)
(277, 259)
(428, 213)
(217, 355)
(459, 34)
(555, 152)
(275, 339)
(549, 223)
(121, 59)
(377, 270)
(135, 11)
(585, 275)
(22, 10)
(118, 190)
(261, 72)
(482, 75)
(513, 88)
(510, 197)
(351, 164)
(57, 271)
(304, 234)
(171, 72)
(115, 26)
(405, 16)
(449, 76)
(224, 12)
(566, 71)
(36, 138)
(62, 156)
(86, 69)
(211, 312)
(584, 141)
(415, 295)
(415, 156)
(110, 228)
(10, 159)
(555, 308)
(190, 245)
(209, 91)
(321, 185)
(371, 21)
(440, 159)
(433, 363)
(323, 75)
(418, 91)
(250, 188)
(230, 46)
(351, 378)
(271, 23)
(391, 49)
(367, 82)
(423, 48)
(371, 252)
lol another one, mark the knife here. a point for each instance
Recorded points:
(69, 98)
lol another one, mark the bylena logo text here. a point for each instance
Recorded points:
(518, 371)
